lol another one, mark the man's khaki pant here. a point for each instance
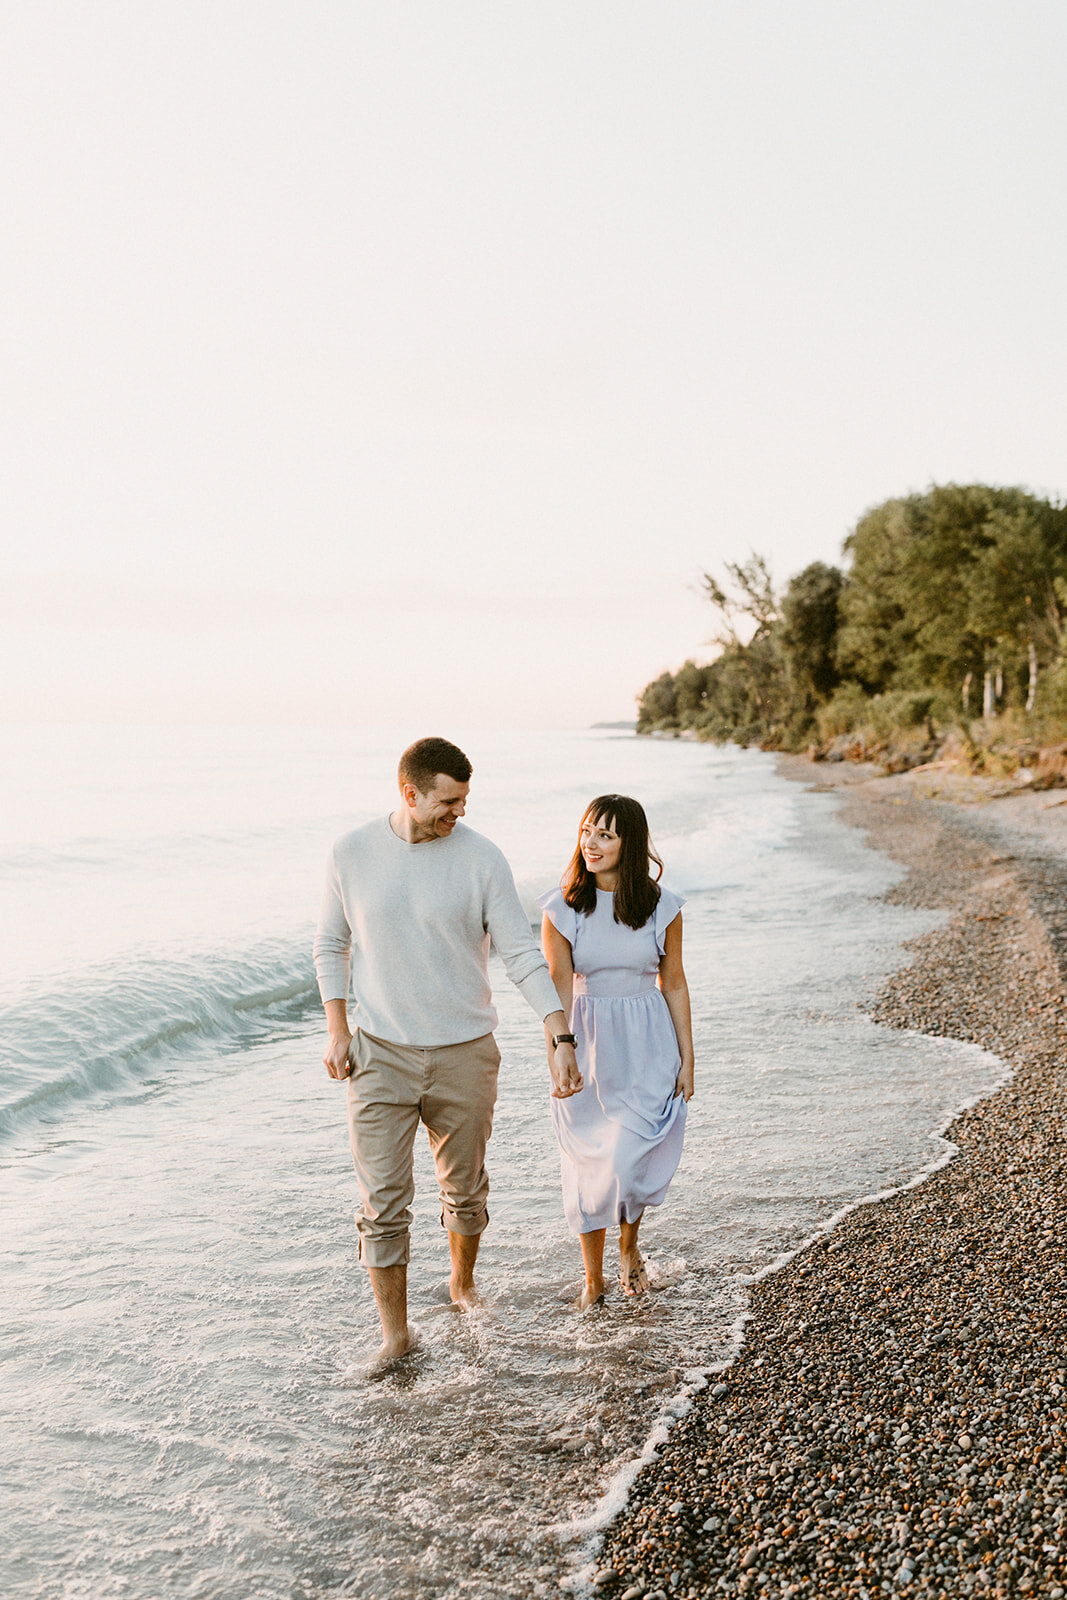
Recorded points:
(452, 1089)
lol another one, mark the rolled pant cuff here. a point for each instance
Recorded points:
(470, 1227)
(393, 1251)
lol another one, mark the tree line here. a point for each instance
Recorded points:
(949, 606)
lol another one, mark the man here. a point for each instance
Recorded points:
(411, 904)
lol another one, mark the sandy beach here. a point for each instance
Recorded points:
(896, 1419)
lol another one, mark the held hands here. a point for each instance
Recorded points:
(336, 1059)
(683, 1084)
(563, 1065)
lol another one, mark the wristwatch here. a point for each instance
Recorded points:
(563, 1038)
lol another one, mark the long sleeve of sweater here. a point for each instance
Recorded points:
(333, 939)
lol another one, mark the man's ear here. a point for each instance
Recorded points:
(409, 794)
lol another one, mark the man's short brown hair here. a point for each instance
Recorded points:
(423, 760)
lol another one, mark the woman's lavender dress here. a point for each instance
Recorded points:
(620, 1139)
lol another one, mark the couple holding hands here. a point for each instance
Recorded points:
(412, 902)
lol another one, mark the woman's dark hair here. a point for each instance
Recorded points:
(636, 894)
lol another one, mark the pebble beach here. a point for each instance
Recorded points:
(896, 1421)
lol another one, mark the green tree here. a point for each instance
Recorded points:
(755, 600)
(690, 693)
(747, 692)
(1012, 591)
(657, 706)
(808, 633)
(875, 631)
(936, 593)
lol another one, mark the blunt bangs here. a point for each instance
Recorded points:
(637, 893)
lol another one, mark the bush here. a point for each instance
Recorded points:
(848, 709)
(1052, 692)
(901, 708)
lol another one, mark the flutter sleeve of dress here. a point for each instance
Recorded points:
(563, 917)
(666, 910)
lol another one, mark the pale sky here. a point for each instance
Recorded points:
(361, 358)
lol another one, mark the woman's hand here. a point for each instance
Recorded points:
(683, 1084)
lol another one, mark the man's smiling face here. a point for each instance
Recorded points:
(435, 813)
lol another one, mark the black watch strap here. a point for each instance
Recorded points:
(563, 1038)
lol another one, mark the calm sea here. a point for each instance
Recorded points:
(183, 1308)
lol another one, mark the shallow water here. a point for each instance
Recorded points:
(179, 1401)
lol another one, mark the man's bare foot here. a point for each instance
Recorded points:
(464, 1295)
(463, 1253)
(391, 1350)
(633, 1278)
(592, 1295)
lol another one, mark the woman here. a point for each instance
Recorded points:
(610, 933)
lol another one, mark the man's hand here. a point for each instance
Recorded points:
(336, 1060)
(563, 1065)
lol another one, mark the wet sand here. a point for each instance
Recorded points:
(897, 1419)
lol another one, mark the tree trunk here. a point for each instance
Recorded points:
(987, 696)
(1031, 693)
(966, 695)
(999, 688)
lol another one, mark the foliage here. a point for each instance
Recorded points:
(847, 709)
(952, 604)
(810, 619)
(657, 707)
(960, 580)
(1052, 695)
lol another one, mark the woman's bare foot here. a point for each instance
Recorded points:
(592, 1294)
(633, 1278)
(593, 1269)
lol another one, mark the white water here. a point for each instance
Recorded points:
(184, 1308)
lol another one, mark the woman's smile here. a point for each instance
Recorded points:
(601, 847)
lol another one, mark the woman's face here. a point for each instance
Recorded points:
(600, 845)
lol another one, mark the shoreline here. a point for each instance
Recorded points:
(897, 1418)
